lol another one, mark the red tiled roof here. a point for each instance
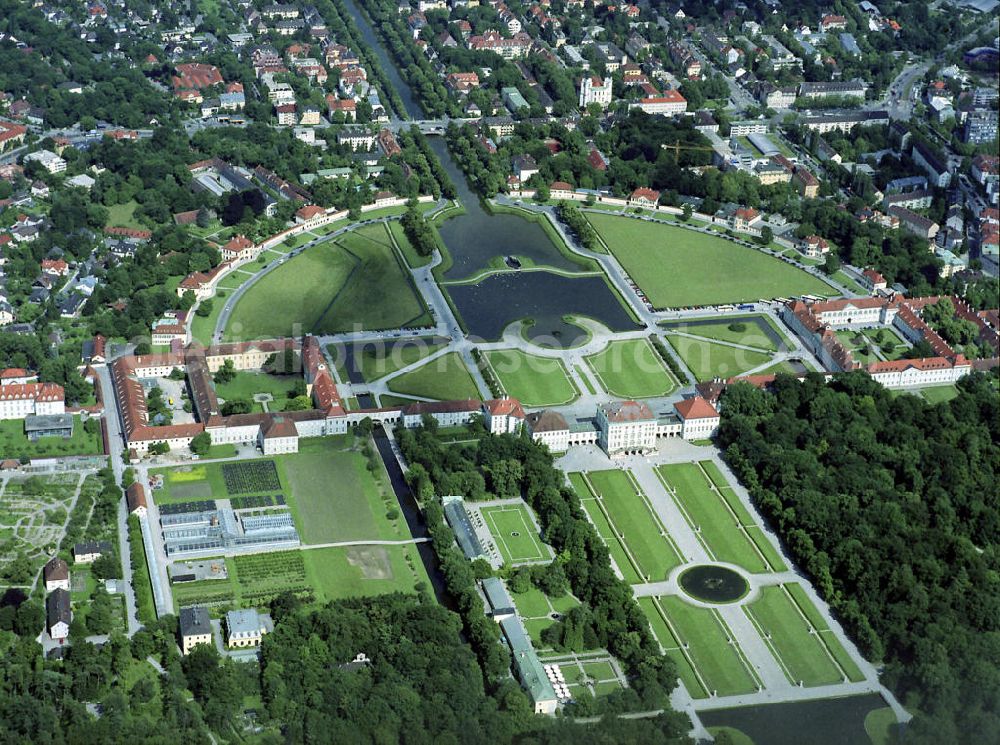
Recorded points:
(505, 407)
(695, 408)
(628, 411)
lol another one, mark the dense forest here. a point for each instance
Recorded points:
(890, 504)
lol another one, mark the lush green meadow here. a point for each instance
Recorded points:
(678, 267)
(444, 378)
(15, 444)
(743, 330)
(354, 282)
(632, 369)
(533, 380)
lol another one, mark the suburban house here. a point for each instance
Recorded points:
(814, 247)
(239, 248)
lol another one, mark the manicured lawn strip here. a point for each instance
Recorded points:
(533, 380)
(355, 282)
(586, 381)
(190, 483)
(764, 545)
(837, 649)
(630, 514)
(719, 662)
(388, 400)
(779, 367)
(787, 631)
(751, 336)
(672, 648)
(608, 535)
(332, 574)
(535, 627)
(632, 369)
(677, 267)
(503, 522)
(718, 526)
(599, 670)
(707, 360)
(444, 378)
(332, 494)
(377, 362)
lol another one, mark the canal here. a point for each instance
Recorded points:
(477, 237)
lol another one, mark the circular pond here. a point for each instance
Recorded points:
(713, 584)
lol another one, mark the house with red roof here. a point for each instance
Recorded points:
(503, 415)
(560, 190)
(239, 248)
(699, 419)
(644, 197)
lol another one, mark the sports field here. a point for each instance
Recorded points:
(354, 282)
(533, 380)
(745, 330)
(642, 538)
(708, 360)
(698, 640)
(444, 378)
(723, 524)
(514, 533)
(792, 639)
(677, 267)
(632, 369)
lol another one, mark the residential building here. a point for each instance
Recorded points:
(814, 247)
(873, 281)
(805, 183)
(503, 415)
(699, 419)
(19, 400)
(915, 223)
(195, 628)
(58, 614)
(88, 552)
(11, 135)
(524, 167)
(595, 90)
(356, 138)
(918, 199)
(937, 171)
(239, 248)
(246, 628)
(135, 497)
(56, 575)
(748, 127)
(626, 428)
(668, 103)
(47, 159)
(644, 197)
(844, 121)
(980, 126)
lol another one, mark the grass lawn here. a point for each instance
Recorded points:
(334, 497)
(878, 723)
(712, 516)
(14, 443)
(859, 344)
(780, 367)
(719, 662)
(123, 215)
(514, 533)
(750, 336)
(632, 369)
(202, 327)
(353, 571)
(190, 483)
(610, 536)
(536, 608)
(841, 276)
(534, 380)
(443, 378)
(246, 384)
(707, 360)
(409, 252)
(677, 267)
(939, 393)
(672, 647)
(791, 639)
(378, 360)
(354, 283)
(644, 537)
